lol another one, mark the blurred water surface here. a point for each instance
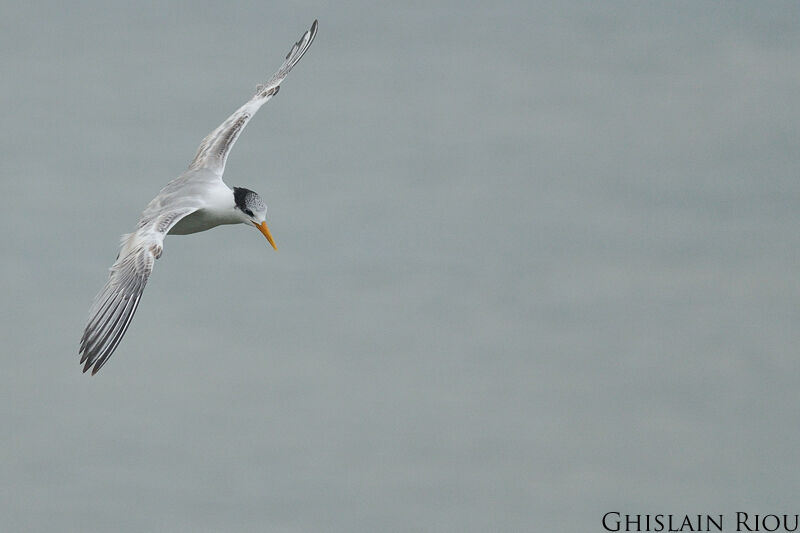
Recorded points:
(536, 263)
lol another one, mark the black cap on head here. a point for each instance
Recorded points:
(248, 201)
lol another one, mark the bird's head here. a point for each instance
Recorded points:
(252, 210)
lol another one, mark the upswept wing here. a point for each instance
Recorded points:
(213, 151)
(115, 305)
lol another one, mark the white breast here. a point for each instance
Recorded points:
(202, 220)
(219, 208)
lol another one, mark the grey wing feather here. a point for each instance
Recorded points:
(214, 149)
(115, 305)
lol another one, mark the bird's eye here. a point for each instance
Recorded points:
(249, 213)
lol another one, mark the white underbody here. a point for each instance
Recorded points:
(204, 219)
(201, 191)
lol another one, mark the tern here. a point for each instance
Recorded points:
(195, 201)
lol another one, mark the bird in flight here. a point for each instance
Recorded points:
(195, 201)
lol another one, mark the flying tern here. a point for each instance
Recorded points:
(195, 201)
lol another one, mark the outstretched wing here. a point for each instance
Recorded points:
(114, 306)
(213, 151)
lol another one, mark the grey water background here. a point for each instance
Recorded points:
(537, 262)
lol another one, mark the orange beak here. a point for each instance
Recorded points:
(265, 230)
